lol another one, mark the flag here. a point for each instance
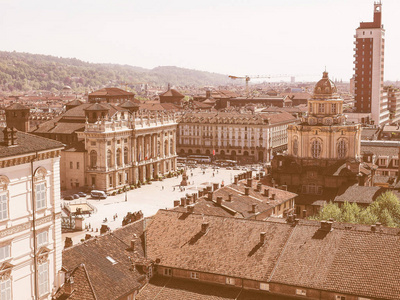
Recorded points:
(214, 152)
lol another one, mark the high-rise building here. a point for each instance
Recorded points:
(369, 55)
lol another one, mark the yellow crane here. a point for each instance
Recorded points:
(247, 79)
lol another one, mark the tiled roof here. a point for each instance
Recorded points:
(95, 107)
(349, 259)
(157, 106)
(81, 288)
(172, 93)
(111, 92)
(173, 288)
(176, 240)
(380, 150)
(27, 143)
(109, 280)
(360, 194)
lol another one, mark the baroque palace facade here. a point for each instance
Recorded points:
(125, 149)
(323, 150)
(246, 137)
(110, 146)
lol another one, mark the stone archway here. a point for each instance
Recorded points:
(190, 151)
(233, 155)
(207, 152)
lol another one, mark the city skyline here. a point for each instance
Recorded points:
(229, 37)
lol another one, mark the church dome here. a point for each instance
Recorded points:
(325, 88)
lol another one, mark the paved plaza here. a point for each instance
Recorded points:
(149, 199)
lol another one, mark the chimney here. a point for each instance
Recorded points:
(215, 186)
(304, 213)
(219, 200)
(190, 209)
(249, 182)
(132, 245)
(10, 136)
(208, 94)
(235, 180)
(230, 197)
(263, 235)
(254, 208)
(378, 226)
(204, 227)
(183, 201)
(88, 236)
(210, 196)
(272, 196)
(247, 191)
(259, 185)
(209, 188)
(176, 203)
(258, 176)
(360, 179)
(373, 228)
(326, 226)
(68, 242)
(266, 192)
(104, 228)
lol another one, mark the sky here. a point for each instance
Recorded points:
(235, 37)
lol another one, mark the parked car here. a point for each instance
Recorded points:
(76, 196)
(82, 194)
(98, 194)
(69, 197)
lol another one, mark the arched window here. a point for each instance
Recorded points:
(125, 155)
(342, 149)
(109, 164)
(93, 159)
(166, 148)
(295, 146)
(316, 149)
(119, 162)
(171, 147)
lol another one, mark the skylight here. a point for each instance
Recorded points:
(112, 260)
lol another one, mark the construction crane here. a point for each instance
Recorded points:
(247, 79)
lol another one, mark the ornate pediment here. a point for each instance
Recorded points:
(42, 255)
(5, 271)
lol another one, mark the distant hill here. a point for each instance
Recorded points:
(24, 72)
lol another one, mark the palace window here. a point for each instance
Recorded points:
(119, 162)
(109, 158)
(43, 278)
(5, 287)
(264, 286)
(5, 253)
(93, 159)
(340, 297)
(3, 206)
(42, 238)
(342, 149)
(194, 275)
(321, 107)
(316, 149)
(333, 108)
(40, 195)
(125, 155)
(230, 280)
(295, 147)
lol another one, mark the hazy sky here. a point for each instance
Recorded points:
(236, 37)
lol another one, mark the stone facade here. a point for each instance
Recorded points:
(125, 149)
(245, 137)
(30, 221)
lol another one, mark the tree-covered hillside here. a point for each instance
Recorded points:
(24, 72)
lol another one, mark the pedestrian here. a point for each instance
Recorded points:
(162, 187)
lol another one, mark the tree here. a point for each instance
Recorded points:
(385, 209)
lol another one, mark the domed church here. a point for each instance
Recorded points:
(323, 150)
